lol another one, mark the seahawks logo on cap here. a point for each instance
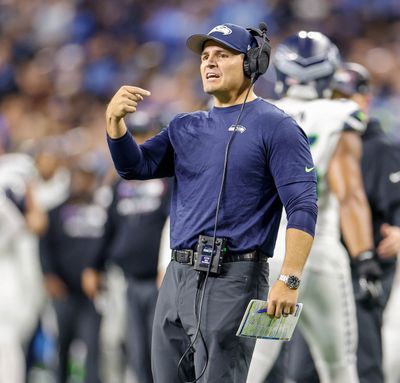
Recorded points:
(222, 29)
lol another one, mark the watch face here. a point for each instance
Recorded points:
(293, 282)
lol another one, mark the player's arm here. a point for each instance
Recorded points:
(345, 180)
(35, 217)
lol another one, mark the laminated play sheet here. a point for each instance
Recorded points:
(257, 324)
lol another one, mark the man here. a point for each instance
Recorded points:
(380, 169)
(69, 246)
(233, 171)
(305, 64)
(20, 294)
(380, 166)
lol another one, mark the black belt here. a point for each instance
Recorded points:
(187, 256)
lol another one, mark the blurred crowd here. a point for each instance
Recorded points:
(60, 62)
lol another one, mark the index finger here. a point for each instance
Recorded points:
(271, 307)
(137, 90)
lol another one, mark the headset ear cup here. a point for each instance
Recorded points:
(246, 66)
(263, 60)
(256, 62)
(250, 63)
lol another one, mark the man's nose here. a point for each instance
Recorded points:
(211, 62)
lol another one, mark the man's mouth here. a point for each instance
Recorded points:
(210, 76)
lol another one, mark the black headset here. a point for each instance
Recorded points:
(256, 60)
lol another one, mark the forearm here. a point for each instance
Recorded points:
(153, 159)
(355, 216)
(300, 201)
(282, 298)
(345, 180)
(116, 127)
(298, 246)
(125, 154)
(36, 218)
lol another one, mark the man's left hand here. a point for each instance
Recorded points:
(281, 300)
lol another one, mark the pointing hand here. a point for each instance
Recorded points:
(125, 101)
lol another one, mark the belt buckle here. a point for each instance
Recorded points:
(184, 256)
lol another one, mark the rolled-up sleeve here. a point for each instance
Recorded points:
(300, 201)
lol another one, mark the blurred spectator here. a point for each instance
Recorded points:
(60, 60)
(381, 173)
(52, 186)
(56, 52)
(391, 334)
(71, 243)
(136, 218)
(380, 165)
(21, 295)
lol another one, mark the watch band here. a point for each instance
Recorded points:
(291, 281)
(283, 278)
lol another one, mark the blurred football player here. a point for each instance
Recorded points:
(305, 64)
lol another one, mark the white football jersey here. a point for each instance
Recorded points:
(323, 121)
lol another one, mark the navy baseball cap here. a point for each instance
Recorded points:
(231, 36)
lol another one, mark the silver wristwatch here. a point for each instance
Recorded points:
(291, 281)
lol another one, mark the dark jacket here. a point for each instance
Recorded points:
(73, 241)
(136, 218)
(381, 175)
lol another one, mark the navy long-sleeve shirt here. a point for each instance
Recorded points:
(381, 176)
(268, 165)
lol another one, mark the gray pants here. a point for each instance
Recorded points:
(142, 297)
(226, 298)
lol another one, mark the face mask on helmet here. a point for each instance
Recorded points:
(307, 62)
(352, 78)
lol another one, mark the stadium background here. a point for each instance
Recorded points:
(62, 60)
